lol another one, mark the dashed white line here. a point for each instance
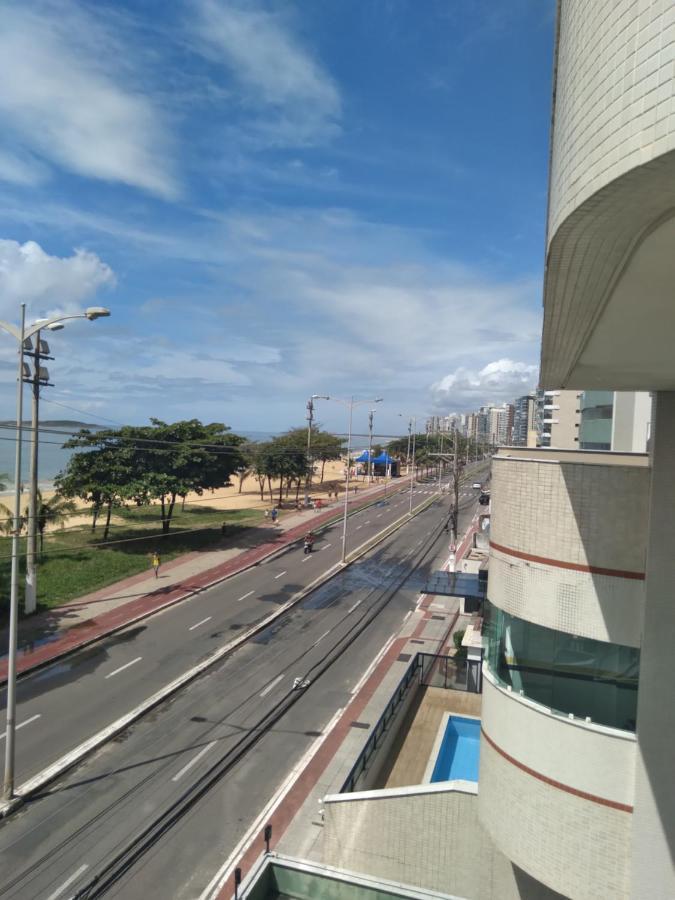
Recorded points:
(245, 596)
(203, 621)
(279, 575)
(271, 685)
(358, 526)
(367, 523)
(305, 559)
(193, 761)
(125, 666)
(27, 722)
(352, 608)
(66, 884)
(326, 546)
(378, 516)
(318, 640)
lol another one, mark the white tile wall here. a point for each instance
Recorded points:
(615, 95)
(577, 847)
(590, 515)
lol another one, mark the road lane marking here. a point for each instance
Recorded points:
(207, 619)
(224, 873)
(359, 526)
(193, 761)
(318, 640)
(305, 558)
(367, 523)
(125, 666)
(326, 546)
(245, 596)
(279, 575)
(27, 722)
(271, 685)
(66, 884)
(352, 608)
(378, 516)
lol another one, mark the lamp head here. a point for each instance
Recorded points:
(96, 312)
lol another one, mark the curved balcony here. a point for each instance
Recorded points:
(556, 794)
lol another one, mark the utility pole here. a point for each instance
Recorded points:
(371, 413)
(455, 485)
(310, 420)
(440, 466)
(413, 423)
(39, 378)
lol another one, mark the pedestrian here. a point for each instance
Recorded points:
(223, 528)
(156, 562)
(274, 515)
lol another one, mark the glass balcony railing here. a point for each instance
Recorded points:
(589, 679)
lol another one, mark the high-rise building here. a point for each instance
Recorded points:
(576, 781)
(558, 419)
(523, 420)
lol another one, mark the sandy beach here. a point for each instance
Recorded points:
(231, 498)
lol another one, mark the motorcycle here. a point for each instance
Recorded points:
(308, 547)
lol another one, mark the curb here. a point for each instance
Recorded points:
(70, 759)
(190, 592)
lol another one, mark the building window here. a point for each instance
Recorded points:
(568, 674)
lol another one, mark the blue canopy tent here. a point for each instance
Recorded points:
(385, 464)
(364, 457)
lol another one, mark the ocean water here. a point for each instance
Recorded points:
(52, 458)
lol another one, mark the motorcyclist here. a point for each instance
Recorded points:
(309, 542)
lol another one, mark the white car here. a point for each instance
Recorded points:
(477, 485)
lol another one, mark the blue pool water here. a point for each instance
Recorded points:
(458, 756)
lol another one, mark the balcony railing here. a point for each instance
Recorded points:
(425, 670)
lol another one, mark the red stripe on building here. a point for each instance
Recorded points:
(557, 784)
(561, 564)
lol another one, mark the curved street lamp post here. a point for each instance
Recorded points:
(22, 336)
(351, 403)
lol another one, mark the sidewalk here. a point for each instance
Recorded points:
(60, 630)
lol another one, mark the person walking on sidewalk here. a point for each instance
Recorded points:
(275, 515)
(156, 562)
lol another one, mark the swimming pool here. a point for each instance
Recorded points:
(457, 757)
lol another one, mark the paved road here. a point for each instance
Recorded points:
(64, 704)
(76, 827)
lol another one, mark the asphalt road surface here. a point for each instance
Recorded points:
(193, 774)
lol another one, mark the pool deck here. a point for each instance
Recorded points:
(417, 733)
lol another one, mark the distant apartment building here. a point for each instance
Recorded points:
(558, 419)
(614, 420)
(524, 409)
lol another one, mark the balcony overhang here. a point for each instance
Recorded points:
(609, 296)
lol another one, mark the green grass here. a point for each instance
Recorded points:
(74, 563)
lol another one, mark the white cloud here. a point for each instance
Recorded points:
(58, 99)
(22, 170)
(501, 380)
(297, 101)
(29, 275)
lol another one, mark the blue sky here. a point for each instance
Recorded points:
(276, 199)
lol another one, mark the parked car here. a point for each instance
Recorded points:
(477, 485)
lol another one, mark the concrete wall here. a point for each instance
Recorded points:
(654, 820)
(562, 534)
(631, 420)
(613, 105)
(428, 837)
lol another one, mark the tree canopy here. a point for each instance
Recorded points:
(143, 463)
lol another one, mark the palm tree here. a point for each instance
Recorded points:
(54, 511)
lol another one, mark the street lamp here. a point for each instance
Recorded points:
(370, 450)
(310, 419)
(351, 403)
(21, 334)
(412, 424)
